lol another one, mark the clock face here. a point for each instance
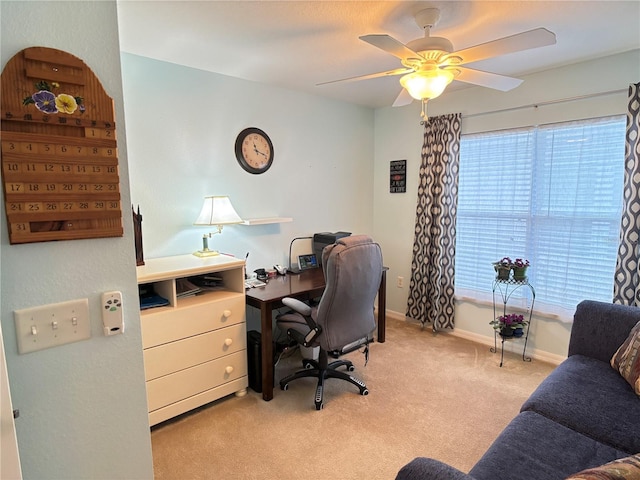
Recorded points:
(254, 150)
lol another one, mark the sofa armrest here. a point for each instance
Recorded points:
(423, 468)
(600, 328)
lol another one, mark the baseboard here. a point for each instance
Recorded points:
(535, 354)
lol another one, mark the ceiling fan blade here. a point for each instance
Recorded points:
(390, 45)
(403, 99)
(538, 37)
(486, 79)
(388, 73)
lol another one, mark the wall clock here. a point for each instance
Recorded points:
(254, 150)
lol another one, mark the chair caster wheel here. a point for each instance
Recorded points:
(284, 387)
(365, 392)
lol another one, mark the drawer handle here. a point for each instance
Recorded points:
(228, 342)
(226, 313)
(229, 369)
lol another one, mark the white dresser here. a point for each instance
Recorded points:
(195, 347)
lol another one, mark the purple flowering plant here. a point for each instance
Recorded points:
(521, 263)
(504, 262)
(510, 320)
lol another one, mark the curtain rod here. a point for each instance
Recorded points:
(550, 102)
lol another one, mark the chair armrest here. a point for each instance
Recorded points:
(600, 328)
(295, 304)
(423, 468)
(306, 338)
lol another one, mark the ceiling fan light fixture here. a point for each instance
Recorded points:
(425, 85)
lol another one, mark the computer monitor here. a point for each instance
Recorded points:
(305, 262)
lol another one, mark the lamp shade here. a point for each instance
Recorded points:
(427, 84)
(217, 210)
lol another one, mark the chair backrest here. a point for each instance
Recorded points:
(352, 270)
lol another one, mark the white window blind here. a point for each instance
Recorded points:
(550, 194)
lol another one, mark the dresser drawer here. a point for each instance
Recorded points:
(172, 324)
(192, 381)
(237, 386)
(175, 356)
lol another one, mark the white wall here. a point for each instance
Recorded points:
(82, 405)
(399, 136)
(182, 124)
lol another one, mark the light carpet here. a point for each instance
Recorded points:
(430, 395)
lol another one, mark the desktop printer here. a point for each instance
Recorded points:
(321, 240)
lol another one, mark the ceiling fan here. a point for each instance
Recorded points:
(430, 64)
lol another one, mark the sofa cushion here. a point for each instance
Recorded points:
(626, 360)
(423, 468)
(588, 396)
(532, 447)
(599, 328)
(624, 469)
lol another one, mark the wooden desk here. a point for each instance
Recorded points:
(308, 284)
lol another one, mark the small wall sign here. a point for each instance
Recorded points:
(398, 176)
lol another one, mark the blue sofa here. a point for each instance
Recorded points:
(584, 414)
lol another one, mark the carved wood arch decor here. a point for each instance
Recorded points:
(59, 150)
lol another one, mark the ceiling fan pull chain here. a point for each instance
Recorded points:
(424, 116)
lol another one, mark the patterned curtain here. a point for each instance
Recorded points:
(432, 267)
(626, 286)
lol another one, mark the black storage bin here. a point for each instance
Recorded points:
(254, 360)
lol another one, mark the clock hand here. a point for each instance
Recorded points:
(255, 149)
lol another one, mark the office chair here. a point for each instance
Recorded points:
(343, 320)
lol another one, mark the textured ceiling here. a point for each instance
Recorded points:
(297, 44)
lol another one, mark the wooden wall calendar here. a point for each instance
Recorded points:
(59, 151)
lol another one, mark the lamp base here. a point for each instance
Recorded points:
(206, 253)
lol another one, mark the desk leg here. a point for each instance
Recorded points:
(382, 307)
(267, 350)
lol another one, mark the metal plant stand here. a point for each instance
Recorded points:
(503, 289)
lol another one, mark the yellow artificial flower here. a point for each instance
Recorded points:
(66, 103)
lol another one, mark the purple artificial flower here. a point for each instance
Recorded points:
(511, 318)
(504, 262)
(45, 101)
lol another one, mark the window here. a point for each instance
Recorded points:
(550, 194)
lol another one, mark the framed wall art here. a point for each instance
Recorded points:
(398, 176)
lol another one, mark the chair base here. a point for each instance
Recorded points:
(322, 370)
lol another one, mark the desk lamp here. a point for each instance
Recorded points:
(218, 211)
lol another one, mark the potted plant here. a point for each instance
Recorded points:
(509, 325)
(520, 269)
(503, 268)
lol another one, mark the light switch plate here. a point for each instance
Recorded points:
(51, 325)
